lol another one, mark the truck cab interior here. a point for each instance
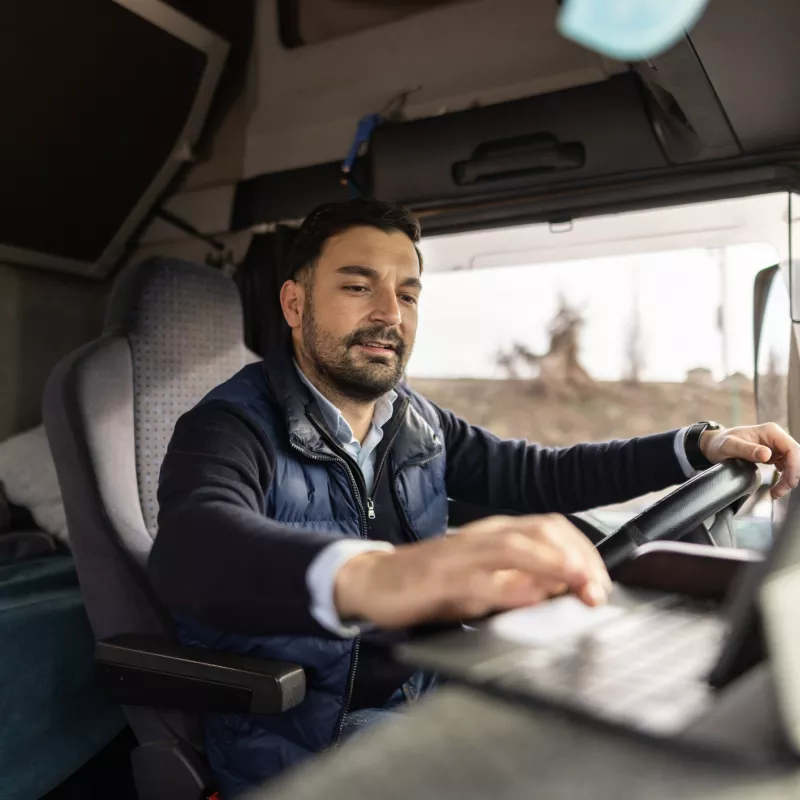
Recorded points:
(158, 157)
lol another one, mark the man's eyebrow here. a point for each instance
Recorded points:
(412, 283)
(355, 269)
(372, 273)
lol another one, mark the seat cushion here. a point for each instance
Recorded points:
(29, 479)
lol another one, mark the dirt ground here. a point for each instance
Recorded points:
(525, 409)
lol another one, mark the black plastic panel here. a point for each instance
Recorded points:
(139, 687)
(291, 194)
(168, 769)
(664, 187)
(686, 113)
(750, 51)
(587, 132)
(257, 202)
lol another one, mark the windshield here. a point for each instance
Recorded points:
(532, 342)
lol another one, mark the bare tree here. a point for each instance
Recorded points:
(506, 362)
(634, 356)
(560, 366)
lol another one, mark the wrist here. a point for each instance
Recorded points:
(351, 590)
(704, 441)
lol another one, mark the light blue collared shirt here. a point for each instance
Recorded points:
(363, 453)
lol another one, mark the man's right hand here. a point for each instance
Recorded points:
(494, 564)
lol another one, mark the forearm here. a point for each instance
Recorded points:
(235, 570)
(516, 476)
(218, 558)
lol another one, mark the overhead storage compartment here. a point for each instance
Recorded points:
(718, 113)
(622, 125)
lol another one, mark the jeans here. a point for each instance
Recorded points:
(409, 693)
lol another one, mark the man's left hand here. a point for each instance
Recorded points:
(761, 444)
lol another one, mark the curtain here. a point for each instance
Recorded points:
(259, 277)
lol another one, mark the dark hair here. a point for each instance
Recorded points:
(331, 219)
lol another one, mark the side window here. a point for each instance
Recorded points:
(776, 380)
(591, 348)
(774, 355)
(596, 349)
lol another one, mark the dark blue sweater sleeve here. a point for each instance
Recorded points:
(514, 475)
(217, 557)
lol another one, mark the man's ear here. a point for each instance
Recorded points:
(293, 298)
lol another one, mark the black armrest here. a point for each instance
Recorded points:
(696, 570)
(141, 670)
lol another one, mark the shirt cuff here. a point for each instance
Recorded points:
(680, 451)
(321, 577)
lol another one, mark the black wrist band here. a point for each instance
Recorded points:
(691, 444)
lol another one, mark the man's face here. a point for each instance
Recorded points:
(356, 311)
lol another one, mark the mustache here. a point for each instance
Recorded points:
(390, 335)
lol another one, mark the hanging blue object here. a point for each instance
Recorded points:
(363, 132)
(628, 30)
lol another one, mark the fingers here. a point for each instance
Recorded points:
(548, 548)
(494, 564)
(736, 447)
(561, 531)
(786, 482)
(786, 454)
(501, 590)
(517, 548)
(780, 489)
(763, 444)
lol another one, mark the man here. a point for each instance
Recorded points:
(303, 502)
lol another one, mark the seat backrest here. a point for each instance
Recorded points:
(173, 332)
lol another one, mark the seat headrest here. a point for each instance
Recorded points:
(160, 293)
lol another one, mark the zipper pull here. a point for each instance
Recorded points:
(370, 509)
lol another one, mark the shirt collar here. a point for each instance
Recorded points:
(341, 430)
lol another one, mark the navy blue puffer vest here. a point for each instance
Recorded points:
(312, 489)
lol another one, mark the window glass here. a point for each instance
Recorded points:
(558, 349)
(793, 256)
(774, 354)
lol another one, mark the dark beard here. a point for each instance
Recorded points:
(334, 363)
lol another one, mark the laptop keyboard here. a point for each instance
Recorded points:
(645, 667)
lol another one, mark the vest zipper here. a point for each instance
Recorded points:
(363, 529)
(384, 458)
(357, 643)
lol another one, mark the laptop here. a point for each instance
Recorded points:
(724, 676)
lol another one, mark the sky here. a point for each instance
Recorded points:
(467, 316)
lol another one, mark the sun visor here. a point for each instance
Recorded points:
(102, 104)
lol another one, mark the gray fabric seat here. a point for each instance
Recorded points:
(174, 331)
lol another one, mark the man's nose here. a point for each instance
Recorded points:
(386, 309)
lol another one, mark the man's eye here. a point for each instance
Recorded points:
(409, 298)
(356, 289)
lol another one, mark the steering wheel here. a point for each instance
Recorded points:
(678, 514)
